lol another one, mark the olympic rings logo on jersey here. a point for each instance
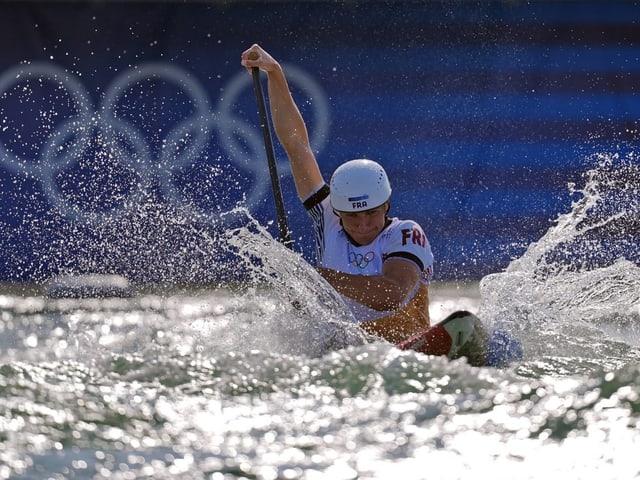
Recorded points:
(361, 261)
(153, 135)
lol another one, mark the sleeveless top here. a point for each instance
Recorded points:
(400, 239)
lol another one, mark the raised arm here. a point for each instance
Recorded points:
(287, 121)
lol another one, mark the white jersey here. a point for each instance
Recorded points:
(400, 239)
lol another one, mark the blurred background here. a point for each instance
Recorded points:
(130, 141)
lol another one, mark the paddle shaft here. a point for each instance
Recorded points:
(283, 227)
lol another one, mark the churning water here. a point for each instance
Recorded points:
(270, 381)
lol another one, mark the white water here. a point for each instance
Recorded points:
(245, 383)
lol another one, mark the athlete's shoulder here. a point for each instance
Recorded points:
(318, 195)
(405, 232)
(397, 226)
(402, 223)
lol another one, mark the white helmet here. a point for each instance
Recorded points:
(359, 185)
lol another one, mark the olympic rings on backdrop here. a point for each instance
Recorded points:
(123, 142)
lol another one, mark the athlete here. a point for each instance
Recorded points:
(379, 264)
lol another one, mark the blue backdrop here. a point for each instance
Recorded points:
(129, 131)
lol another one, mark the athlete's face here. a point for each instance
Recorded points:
(365, 226)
